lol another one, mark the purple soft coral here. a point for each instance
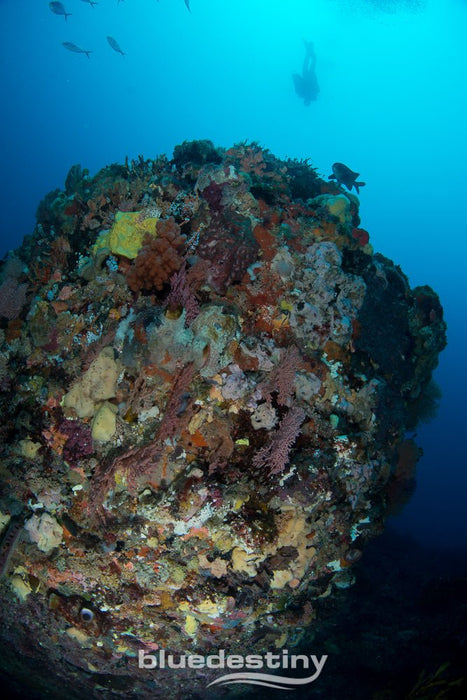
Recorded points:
(79, 442)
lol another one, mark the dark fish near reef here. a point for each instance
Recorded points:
(76, 49)
(114, 45)
(58, 9)
(345, 176)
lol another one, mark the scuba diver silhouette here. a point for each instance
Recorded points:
(306, 84)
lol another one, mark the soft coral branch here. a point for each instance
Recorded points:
(139, 461)
(275, 456)
(181, 295)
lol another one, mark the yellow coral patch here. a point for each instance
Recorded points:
(339, 206)
(126, 235)
(104, 423)
(190, 624)
(244, 562)
(28, 448)
(20, 588)
(208, 607)
(281, 578)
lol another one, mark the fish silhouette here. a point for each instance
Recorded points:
(187, 3)
(114, 44)
(76, 49)
(345, 176)
(90, 2)
(58, 9)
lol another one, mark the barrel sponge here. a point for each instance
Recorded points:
(98, 384)
(126, 235)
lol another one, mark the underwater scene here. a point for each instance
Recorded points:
(232, 349)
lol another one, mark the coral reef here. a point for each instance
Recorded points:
(207, 377)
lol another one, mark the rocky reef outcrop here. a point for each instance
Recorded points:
(207, 380)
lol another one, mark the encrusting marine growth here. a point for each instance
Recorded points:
(207, 380)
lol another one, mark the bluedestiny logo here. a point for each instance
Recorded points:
(221, 660)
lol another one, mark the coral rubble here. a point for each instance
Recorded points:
(207, 378)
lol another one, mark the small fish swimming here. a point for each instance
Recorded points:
(187, 3)
(76, 49)
(114, 44)
(90, 2)
(58, 9)
(345, 176)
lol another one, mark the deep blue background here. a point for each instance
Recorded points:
(393, 105)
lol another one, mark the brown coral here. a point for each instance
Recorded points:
(158, 258)
(12, 298)
(231, 247)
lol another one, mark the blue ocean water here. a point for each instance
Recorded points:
(392, 105)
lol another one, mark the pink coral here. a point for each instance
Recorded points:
(282, 378)
(275, 456)
(181, 295)
(139, 461)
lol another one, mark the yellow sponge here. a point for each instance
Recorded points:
(126, 235)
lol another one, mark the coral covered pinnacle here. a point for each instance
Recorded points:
(206, 392)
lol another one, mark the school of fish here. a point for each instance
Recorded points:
(58, 8)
